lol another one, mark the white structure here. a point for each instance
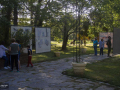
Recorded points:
(116, 42)
(104, 36)
(15, 28)
(43, 41)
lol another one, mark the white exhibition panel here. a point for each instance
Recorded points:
(15, 28)
(43, 41)
(116, 43)
(104, 36)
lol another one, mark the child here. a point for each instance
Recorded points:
(29, 56)
(19, 53)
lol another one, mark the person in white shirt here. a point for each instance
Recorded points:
(3, 55)
(101, 46)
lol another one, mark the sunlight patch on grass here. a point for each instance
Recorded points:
(88, 70)
(111, 67)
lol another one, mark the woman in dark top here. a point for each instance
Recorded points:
(14, 48)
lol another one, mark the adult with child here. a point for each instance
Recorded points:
(19, 53)
(3, 55)
(29, 56)
(109, 45)
(95, 43)
(14, 48)
(101, 46)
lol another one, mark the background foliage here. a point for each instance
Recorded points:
(63, 16)
(23, 36)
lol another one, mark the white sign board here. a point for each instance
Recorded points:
(116, 43)
(43, 41)
(104, 36)
(15, 28)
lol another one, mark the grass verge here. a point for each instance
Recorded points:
(70, 52)
(107, 70)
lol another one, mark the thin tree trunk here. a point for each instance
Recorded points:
(15, 15)
(40, 23)
(84, 40)
(65, 40)
(8, 16)
(31, 17)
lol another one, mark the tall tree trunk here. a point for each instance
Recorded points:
(31, 14)
(84, 40)
(65, 38)
(15, 15)
(40, 23)
(31, 17)
(38, 20)
(8, 16)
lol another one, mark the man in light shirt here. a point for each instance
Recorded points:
(101, 46)
(3, 54)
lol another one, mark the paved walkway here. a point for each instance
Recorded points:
(48, 76)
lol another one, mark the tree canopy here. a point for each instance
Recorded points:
(63, 16)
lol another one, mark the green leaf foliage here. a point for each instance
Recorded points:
(23, 36)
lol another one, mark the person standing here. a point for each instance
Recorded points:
(109, 45)
(19, 53)
(29, 56)
(101, 46)
(95, 42)
(3, 55)
(14, 48)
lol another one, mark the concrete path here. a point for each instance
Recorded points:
(48, 76)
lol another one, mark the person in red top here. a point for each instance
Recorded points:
(29, 56)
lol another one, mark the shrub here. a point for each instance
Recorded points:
(23, 36)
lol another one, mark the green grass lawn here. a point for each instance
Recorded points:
(70, 52)
(107, 70)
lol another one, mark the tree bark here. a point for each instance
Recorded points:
(8, 16)
(65, 38)
(15, 15)
(31, 17)
(40, 23)
(84, 40)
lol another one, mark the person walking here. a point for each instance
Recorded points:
(14, 48)
(95, 42)
(109, 45)
(101, 46)
(29, 56)
(3, 55)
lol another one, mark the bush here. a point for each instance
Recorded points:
(23, 36)
(4, 26)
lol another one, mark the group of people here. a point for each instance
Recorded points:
(101, 46)
(14, 55)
